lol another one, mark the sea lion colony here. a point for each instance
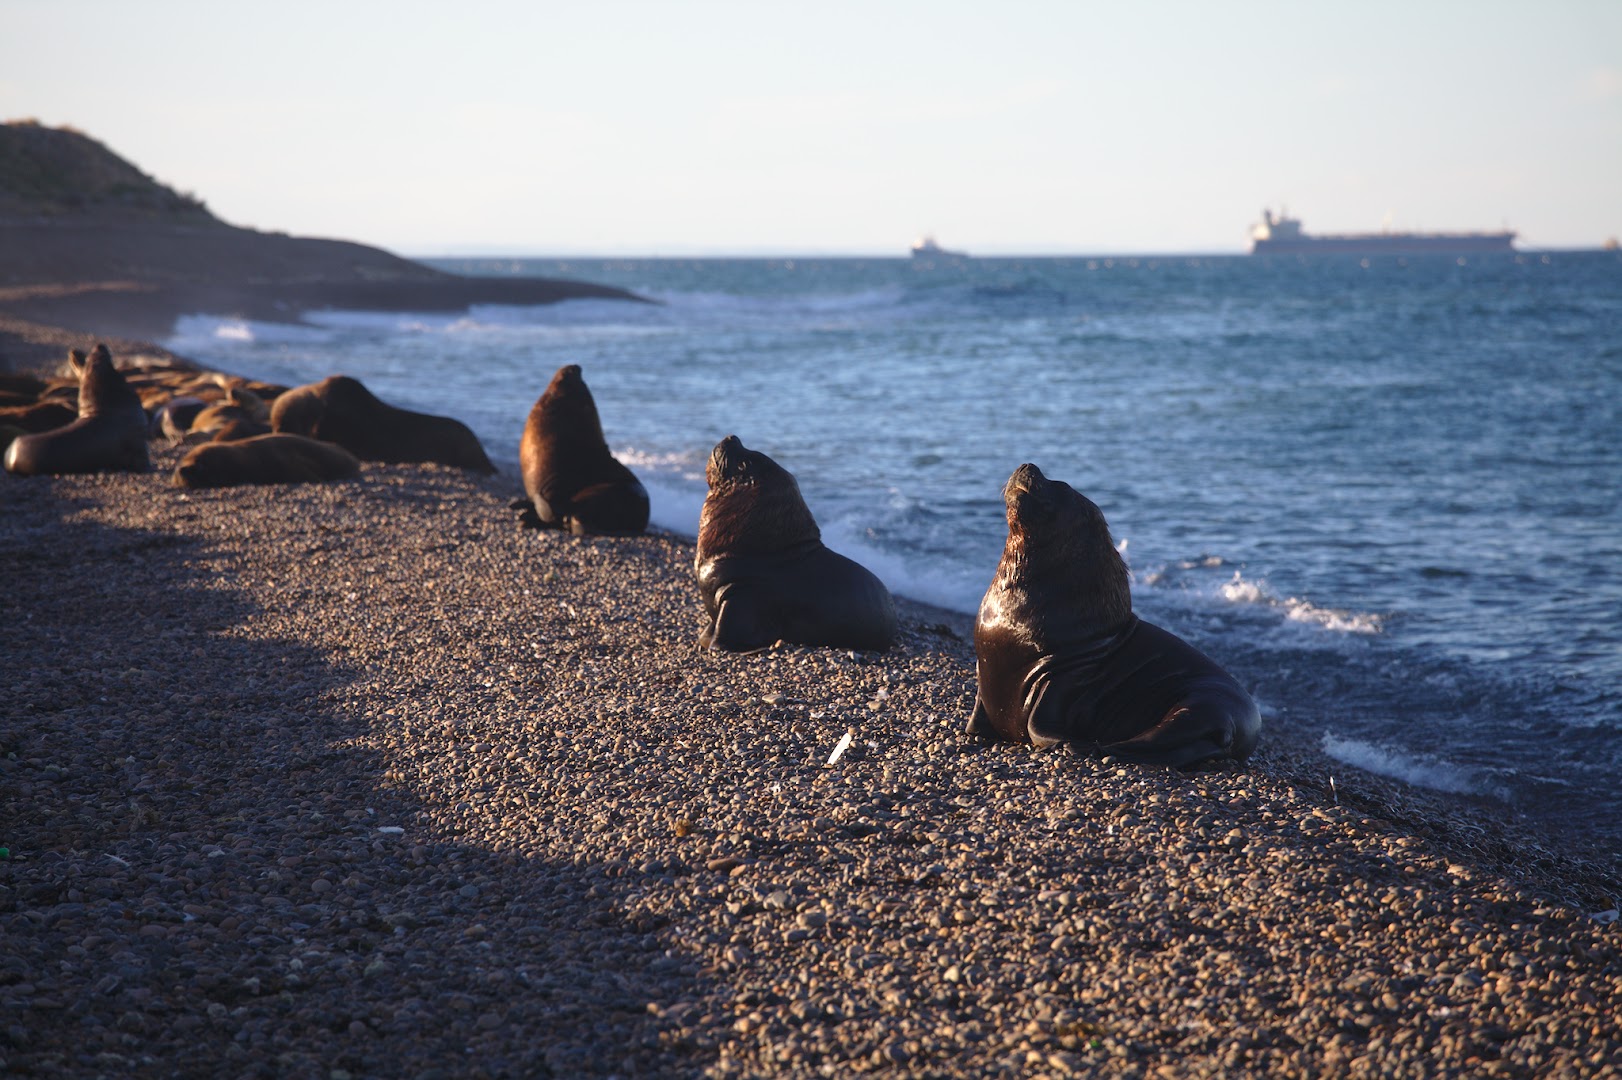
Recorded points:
(1061, 657)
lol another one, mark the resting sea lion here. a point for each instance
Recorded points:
(237, 407)
(173, 419)
(110, 432)
(20, 389)
(763, 571)
(266, 459)
(1060, 657)
(572, 481)
(340, 410)
(242, 430)
(41, 416)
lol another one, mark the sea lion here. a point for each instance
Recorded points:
(110, 432)
(40, 416)
(1060, 657)
(763, 571)
(173, 419)
(237, 407)
(241, 431)
(572, 481)
(338, 409)
(265, 459)
(20, 388)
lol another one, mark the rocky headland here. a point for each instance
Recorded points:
(92, 246)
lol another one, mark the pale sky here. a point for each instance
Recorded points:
(615, 127)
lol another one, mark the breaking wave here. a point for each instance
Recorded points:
(1295, 609)
(1420, 771)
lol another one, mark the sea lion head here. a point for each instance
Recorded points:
(199, 470)
(1058, 540)
(103, 389)
(347, 394)
(566, 382)
(732, 463)
(754, 504)
(246, 399)
(567, 408)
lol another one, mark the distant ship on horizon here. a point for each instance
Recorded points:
(926, 251)
(1282, 235)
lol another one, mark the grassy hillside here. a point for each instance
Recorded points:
(52, 171)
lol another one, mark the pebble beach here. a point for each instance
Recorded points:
(363, 780)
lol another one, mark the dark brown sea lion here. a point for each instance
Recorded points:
(340, 410)
(1061, 658)
(236, 407)
(173, 419)
(109, 434)
(764, 573)
(20, 388)
(241, 431)
(267, 459)
(41, 416)
(572, 481)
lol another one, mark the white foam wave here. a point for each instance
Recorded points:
(1240, 591)
(672, 503)
(1426, 772)
(202, 333)
(687, 464)
(596, 318)
(1347, 622)
(922, 578)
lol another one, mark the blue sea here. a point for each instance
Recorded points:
(1386, 493)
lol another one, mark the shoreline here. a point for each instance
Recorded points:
(361, 776)
(101, 276)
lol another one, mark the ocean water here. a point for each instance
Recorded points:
(1386, 493)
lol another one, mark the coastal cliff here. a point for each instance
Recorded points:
(92, 246)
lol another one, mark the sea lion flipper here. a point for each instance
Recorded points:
(527, 517)
(979, 723)
(736, 627)
(615, 508)
(980, 726)
(1185, 736)
(548, 517)
(1048, 725)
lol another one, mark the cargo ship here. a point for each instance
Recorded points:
(1282, 235)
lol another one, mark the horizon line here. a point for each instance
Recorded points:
(779, 255)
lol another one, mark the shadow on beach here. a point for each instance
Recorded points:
(360, 779)
(212, 874)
